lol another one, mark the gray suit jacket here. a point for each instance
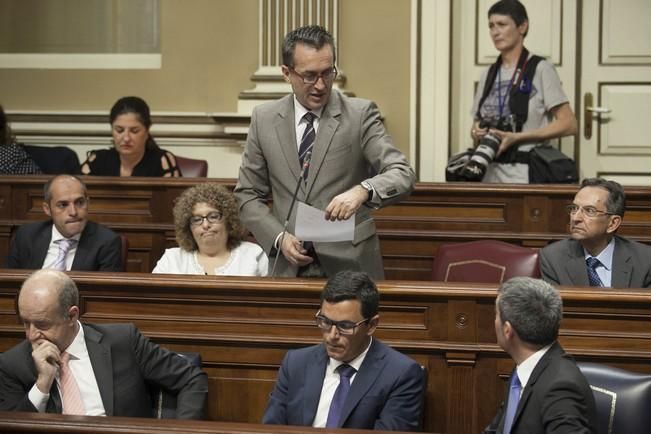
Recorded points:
(99, 248)
(563, 263)
(351, 146)
(386, 394)
(125, 364)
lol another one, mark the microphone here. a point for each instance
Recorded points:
(306, 165)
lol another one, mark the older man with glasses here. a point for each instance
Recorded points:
(595, 255)
(350, 380)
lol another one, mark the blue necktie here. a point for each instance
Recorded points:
(593, 277)
(512, 406)
(338, 400)
(307, 141)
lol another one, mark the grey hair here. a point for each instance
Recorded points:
(533, 307)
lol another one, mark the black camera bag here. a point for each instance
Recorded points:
(549, 165)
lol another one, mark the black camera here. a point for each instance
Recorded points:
(476, 167)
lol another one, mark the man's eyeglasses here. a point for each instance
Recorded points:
(343, 327)
(588, 211)
(213, 217)
(311, 77)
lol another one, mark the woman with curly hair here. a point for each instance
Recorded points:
(209, 235)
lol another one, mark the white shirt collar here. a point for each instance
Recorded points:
(605, 256)
(525, 368)
(77, 348)
(355, 363)
(299, 112)
(56, 235)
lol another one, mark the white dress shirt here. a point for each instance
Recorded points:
(524, 369)
(53, 250)
(82, 370)
(330, 383)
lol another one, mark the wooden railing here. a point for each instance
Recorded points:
(243, 327)
(37, 423)
(410, 232)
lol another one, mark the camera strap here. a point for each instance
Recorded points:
(519, 90)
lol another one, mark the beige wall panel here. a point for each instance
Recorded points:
(626, 33)
(629, 103)
(209, 50)
(374, 54)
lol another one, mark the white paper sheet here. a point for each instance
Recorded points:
(311, 225)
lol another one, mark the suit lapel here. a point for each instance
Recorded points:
(368, 372)
(328, 125)
(286, 134)
(314, 375)
(100, 359)
(41, 246)
(83, 248)
(531, 384)
(622, 269)
(575, 265)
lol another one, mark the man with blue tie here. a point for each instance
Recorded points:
(547, 393)
(595, 255)
(351, 380)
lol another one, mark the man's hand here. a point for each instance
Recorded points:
(344, 205)
(47, 358)
(293, 250)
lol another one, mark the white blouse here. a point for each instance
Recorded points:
(247, 259)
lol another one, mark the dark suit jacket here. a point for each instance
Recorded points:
(563, 263)
(351, 146)
(99, 248)
(124, 362)
(556, 399)
(386, 394)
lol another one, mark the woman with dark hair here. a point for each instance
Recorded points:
(209, 235)
(135, 152)
(519, 104)
(14, 159)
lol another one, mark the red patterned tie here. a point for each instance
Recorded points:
(70, 394)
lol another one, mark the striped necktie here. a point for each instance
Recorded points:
(70, 394)
(307, 141)
(65, 244)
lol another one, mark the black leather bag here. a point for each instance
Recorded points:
(549, 165)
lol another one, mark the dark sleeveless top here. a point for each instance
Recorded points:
(107, 163)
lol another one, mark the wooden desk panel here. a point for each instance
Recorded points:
(410, 232)
(43, 423)
(243, 327)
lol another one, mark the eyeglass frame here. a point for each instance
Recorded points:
(320, 75)
(589, 211)
(346, 332)
(206, 217)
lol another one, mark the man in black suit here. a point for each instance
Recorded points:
(547, 393)
(595, 255)
(68, 241)
(109, 366)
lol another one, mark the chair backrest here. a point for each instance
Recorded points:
(486, 261)
(55, 160)
(623, 398)
(164, 400)
(125, 251)
(191, 168)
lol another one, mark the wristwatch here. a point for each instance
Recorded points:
(366, 186)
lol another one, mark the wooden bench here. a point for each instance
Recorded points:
(242, 327)
(410, 232)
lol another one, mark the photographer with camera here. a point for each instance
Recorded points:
(519, 103)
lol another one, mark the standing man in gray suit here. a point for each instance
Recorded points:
(354, 165)
(595, 255)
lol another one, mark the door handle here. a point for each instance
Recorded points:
(589, 112)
